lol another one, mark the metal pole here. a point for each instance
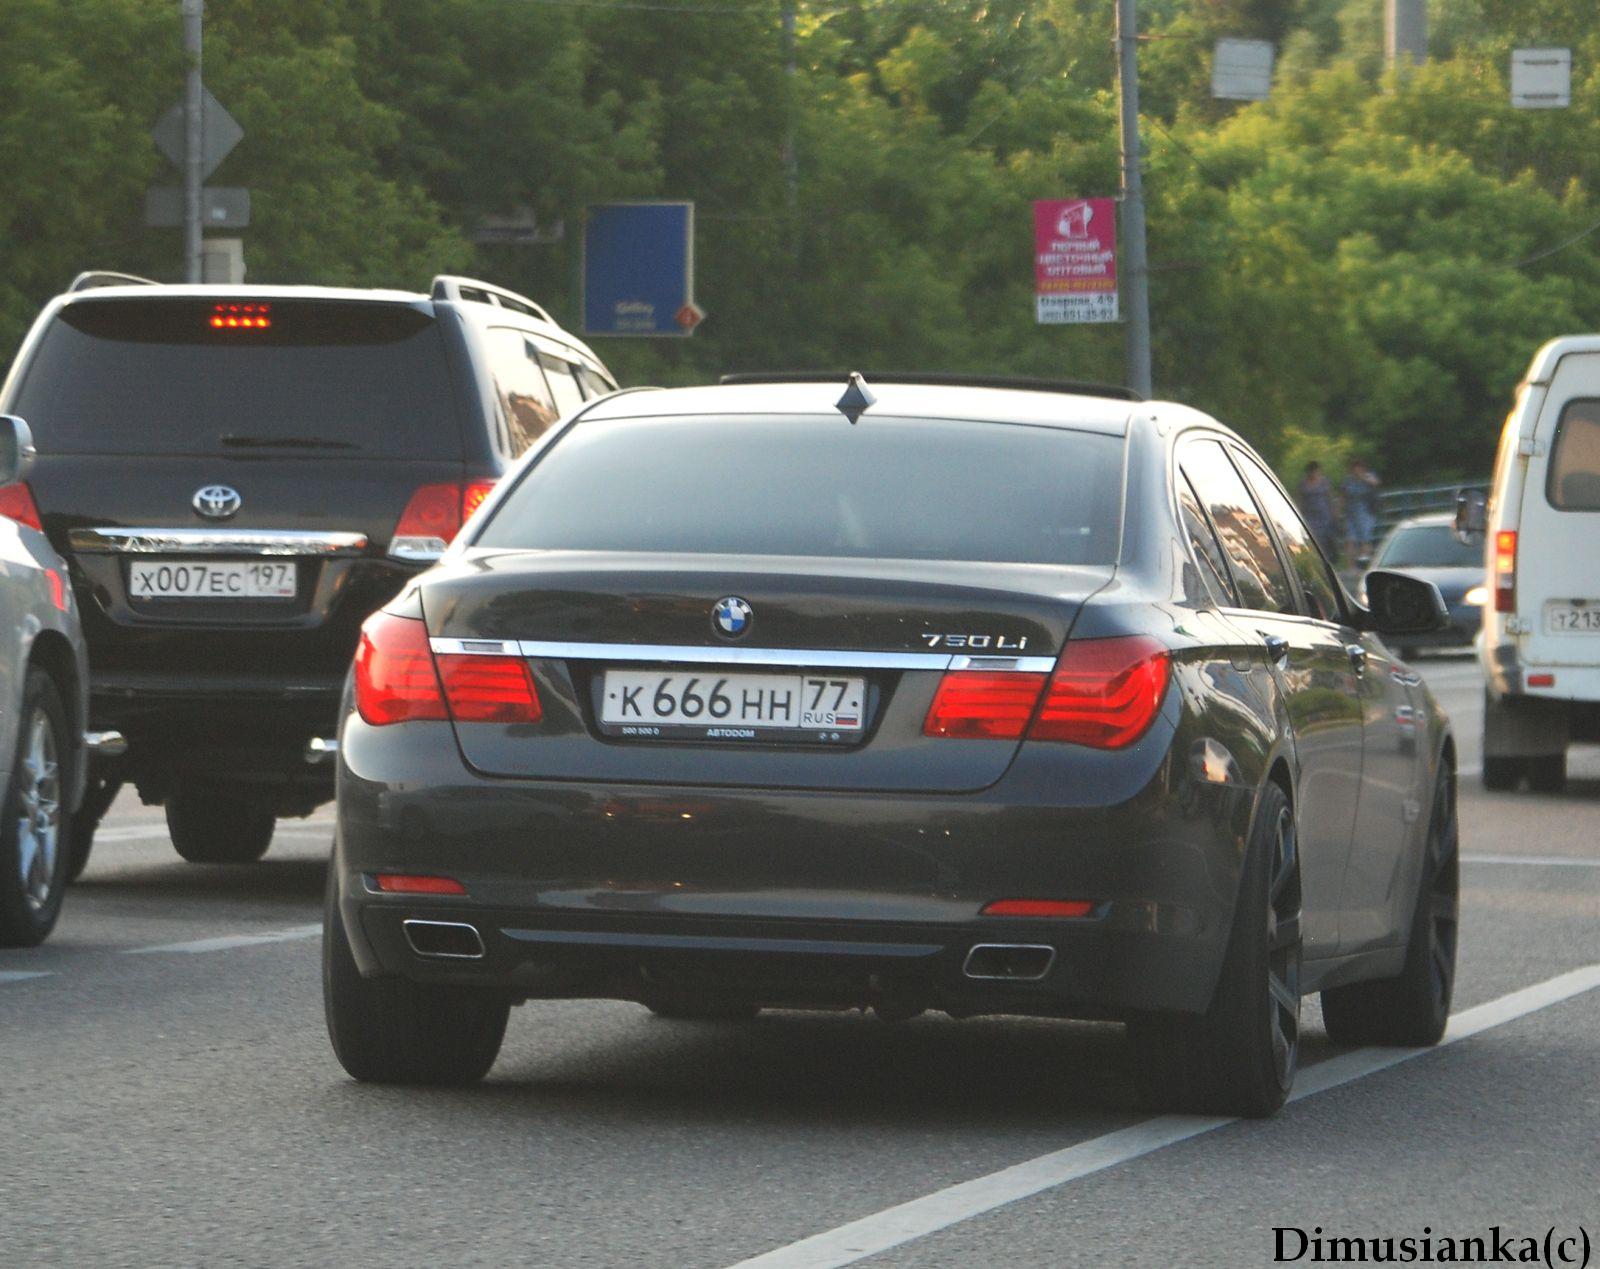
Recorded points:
(1135, 267)
(791, 161)
(1405, 32)
(193, 140)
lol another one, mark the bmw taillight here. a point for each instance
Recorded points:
(16, 503)
(973, 704)
(395, 678)
(399, 680)
(434, 516)
(1103, 693)
(1505, 571)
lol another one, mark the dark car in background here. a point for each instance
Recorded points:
(964, 698)
(1427, 547)
(237, 477)
(44, 689)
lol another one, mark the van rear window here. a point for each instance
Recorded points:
(171, 375)
(1573, 482)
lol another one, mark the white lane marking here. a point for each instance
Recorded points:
(158, 832)
(18, 975)
(919, 1217)
(226, 942)
(1538, 861)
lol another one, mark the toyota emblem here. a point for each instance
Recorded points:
(217, 502)
(731, 617)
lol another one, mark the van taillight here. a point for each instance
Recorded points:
(1103, 693)
(1505, 571)
(16, 503)
(399, 680)
(434, 516)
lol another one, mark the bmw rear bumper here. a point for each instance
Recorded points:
(796, 897)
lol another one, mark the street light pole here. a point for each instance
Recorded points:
(193, 140)
(1135, 269)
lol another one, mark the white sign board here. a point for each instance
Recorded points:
(1241, 70)
(1541, 78)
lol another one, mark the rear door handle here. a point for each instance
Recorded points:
(1358, 657)
(1277, 648)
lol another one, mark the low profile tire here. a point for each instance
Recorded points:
(1413, 1008)
(1502, 775)
(1548, 773)
(395, 1031)
(1240, 1056)
(34, 823)
(218, 826)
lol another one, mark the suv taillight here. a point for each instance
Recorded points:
(399, 680)
(16, 503)
(1103, 693)
(1505, 571)
(434, 516)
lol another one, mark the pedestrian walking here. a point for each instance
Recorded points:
(1316, 504)
(1359, 490)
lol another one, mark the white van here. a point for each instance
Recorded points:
(1540, 645)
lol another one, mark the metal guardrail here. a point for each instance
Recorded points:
(1395, 505)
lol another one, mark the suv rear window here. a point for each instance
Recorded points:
(893, 488)
(1574, 480)
(155, 376)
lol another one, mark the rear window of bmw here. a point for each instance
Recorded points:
(226, 375)
(885, 488)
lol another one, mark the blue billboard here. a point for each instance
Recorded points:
(638, 270)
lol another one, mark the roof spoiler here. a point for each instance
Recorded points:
(940, 380)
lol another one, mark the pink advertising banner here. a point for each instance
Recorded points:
(1075, 259)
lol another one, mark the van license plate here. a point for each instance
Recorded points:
(732, 706)
(202, 579)
(1567, 617)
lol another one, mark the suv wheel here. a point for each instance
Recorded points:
(1240, 1056)
(213, 825)
(34, 825)
(1413, 1008)
(1548, 773)
(1502, 774)
(395, 1031)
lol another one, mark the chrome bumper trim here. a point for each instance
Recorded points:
(802, 658)
(216, 542)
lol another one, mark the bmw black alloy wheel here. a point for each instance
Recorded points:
(1442, 876)
(1283, 947)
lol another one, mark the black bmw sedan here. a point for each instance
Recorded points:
(899, 695)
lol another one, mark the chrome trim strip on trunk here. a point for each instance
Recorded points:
(802, 658)
(216, 542)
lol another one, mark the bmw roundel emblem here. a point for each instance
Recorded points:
(731, 617)
(217, 502)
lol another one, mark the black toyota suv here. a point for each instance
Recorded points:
(237, 477)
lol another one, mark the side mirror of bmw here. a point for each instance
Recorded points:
(1404, 605)
(1472, 515)
(16, 449)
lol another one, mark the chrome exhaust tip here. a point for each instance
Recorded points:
(1014, 962)
(319, 749)
(444, 940)
(105, 744)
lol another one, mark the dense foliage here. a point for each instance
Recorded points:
(1367, 260)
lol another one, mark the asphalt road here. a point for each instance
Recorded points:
(168, 1097)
